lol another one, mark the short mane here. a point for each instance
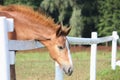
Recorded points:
(36, 16)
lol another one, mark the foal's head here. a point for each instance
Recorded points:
(58, 49)
(32, 25)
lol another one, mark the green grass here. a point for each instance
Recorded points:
(108, 74)
(39, 66)
(34, 66)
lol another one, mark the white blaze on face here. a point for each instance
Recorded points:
(69, 54)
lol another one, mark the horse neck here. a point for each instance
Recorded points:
(27, 29)
(32, 31)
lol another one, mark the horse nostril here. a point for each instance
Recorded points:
(68, 70)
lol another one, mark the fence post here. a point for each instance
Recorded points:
(4, 52)
(93, 58)
(12, 57)
(10, 22)
(114, 49)
(58, 72)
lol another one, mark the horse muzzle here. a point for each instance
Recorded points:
(67, 69)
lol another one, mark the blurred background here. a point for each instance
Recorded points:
(84, 16)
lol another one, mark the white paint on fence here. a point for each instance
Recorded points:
(89, 41)
(58, 72)
(118, 63)
(114, 49)
(24, 45)
(10, 24)
(4, 51)
(12, 57)
(93, 58)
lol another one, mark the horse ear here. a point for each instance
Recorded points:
(66, 31)
(59, 31)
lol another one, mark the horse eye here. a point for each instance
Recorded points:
(60, 47)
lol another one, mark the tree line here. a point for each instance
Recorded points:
(84, 16)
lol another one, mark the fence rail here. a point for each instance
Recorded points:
(89, 41)
(31, 44)
(24, 45)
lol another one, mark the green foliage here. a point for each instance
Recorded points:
(89, 17)
(60, 6)
(75, 22)
(33, 3)
(1, 2)
(109, 15)
(84, 16)
(66, 11)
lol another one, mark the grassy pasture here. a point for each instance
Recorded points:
(39, 66)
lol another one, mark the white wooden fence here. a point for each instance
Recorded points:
(93, 41)
(4, 50)
(9, 46)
